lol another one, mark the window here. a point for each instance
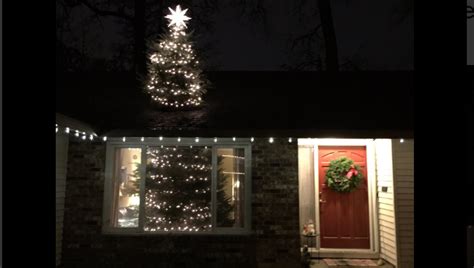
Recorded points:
(161, 187)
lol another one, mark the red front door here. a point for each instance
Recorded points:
(344, 217)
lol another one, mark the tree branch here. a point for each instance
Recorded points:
(119, 13)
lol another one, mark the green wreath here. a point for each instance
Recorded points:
(343, 176)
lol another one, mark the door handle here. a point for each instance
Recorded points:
(321, 198)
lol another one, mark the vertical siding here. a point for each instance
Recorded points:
(62, 143)
(403, 160)
(306, 186)
(385, 200)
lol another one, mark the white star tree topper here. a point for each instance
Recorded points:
(178, 17)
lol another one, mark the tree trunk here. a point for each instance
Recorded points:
(331, 60)
(139, 26)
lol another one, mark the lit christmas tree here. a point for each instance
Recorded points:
(174, 77)
(178, 190)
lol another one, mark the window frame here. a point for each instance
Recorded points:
(117, 143)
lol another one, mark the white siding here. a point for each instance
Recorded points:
(403, 161)
(385, 200)
(62, 143)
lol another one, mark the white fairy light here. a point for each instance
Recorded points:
(142, 139)
(179, 139)
(215, 139)
(104, 138)
(251, 139)
(290, 140)
(161, 138)
(270, 140)
(67, 130)
(196, 140)
(84, 137)
(402, 140)
(91, 137)
(124, 139)
(233, 139)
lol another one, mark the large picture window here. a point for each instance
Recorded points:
(158, 187)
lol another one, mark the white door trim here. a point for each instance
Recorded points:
(372, 191)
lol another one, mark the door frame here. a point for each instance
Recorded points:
(372, 194)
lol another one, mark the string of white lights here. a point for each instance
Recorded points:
(75, 132)
(92, 136)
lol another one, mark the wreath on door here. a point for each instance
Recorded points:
(343, 175)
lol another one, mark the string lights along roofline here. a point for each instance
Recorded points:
(83, 135)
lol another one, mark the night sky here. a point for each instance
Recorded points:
(470, 36)
(374, 34)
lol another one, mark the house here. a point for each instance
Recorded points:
(236, 182)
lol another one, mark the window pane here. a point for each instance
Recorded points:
(230, 187)
(178, 189)
(126, 185)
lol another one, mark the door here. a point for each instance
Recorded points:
(344, 217)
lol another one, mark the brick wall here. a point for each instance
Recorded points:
(274, 242)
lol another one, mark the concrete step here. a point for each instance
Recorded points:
(348, 263)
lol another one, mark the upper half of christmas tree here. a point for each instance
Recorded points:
(174, 77)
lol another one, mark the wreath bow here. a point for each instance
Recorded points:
(352, 172)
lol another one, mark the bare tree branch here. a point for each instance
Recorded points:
(306, 37)
(119, 13)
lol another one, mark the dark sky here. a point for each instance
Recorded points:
(365, 29)
(470, 37)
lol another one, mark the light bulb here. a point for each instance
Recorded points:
(251, 139)
(233, 139)
(142, 139)
(290, 140)
(270, 140)
(104, 138)
(124, 139)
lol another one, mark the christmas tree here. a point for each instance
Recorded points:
(174, 77)
(178, 190)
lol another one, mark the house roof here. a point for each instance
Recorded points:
(296, 104)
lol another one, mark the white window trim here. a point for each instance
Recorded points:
(136, 142)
